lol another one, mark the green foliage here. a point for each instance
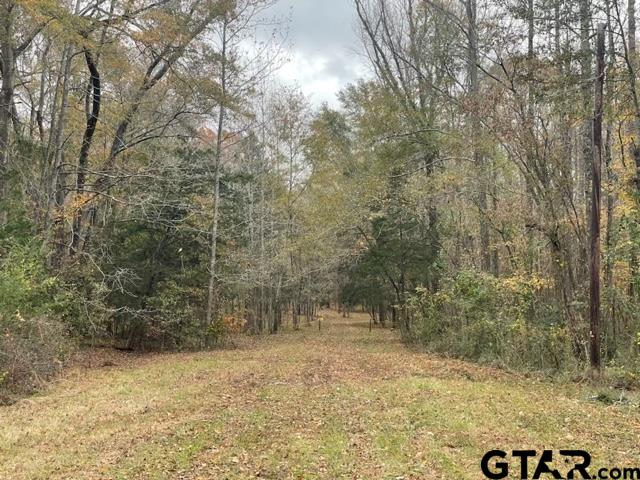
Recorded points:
(35, 309)
(161, 298)
(156, 269)
(26, 286)
(479, 317)
(176, 315)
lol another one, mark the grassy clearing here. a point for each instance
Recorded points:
(341, 403)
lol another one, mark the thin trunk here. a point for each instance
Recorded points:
(212, 306)
(41, 97)
(632, 63)
(7, 68)
(634, 128)
(478, 157)
(631, 18)
(56, 151)
(495, 253)
(594, 300)
(610, 179)
(609, 244)
(586, 76)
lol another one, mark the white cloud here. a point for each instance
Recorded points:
(322, 58)
(310, 74)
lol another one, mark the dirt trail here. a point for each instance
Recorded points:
(342, 402)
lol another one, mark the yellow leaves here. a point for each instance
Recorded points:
(521, 283)
(621, 273)
(361, 246)
(164, 30)
(73, 206)
(447, 180)
(626, 206)
(53, 15)
(443, 296)
(233, 324)
(625, 209)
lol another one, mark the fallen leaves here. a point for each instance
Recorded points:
(340, 403)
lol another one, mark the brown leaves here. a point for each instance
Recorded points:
(342, 403)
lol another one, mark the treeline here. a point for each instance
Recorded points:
(153, 182)
(159, 190)
(479, 126)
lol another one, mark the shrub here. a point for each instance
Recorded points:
(31, 351)
(174, 319)
(26, 286)
(480, 317)
(226, 328)
(33, 346)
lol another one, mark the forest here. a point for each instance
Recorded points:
(476, 192)
(159, 189)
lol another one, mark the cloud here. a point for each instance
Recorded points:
(322, 57)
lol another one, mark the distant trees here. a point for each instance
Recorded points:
(152, 171)
(235, 78)
(500, 95)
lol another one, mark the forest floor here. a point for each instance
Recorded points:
(342, 402)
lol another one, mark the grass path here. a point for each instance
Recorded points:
(340, 403)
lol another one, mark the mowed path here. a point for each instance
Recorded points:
(339, 403)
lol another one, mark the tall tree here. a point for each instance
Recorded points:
(596, 174)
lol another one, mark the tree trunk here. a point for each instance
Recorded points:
(212, 299)
(55, 148)
(87, 140)
(586, 76)
(7, 68)
(632, 64)
(478, 158)
(594, 290)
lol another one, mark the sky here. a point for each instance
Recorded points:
(322, 47)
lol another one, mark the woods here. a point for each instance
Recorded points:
(161, 188)
(514, 148)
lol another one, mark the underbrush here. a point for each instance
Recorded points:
(45, 312)
(31, 352)
(35, 308)
(505, 322)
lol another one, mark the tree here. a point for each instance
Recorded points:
(13, 43)
(594, 260)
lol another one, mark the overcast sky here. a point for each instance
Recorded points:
(322, 47)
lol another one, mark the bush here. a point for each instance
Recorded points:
(173, 320)
(31, 351)
(226, 328)
(33, 346)
(176, 321)
(27, 287)
(483, 318)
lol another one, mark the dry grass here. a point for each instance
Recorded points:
(341, 403)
